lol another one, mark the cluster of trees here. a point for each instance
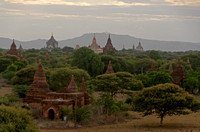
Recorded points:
(131, 74)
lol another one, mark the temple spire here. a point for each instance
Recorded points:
(109, 69)
(72, 86)
(83, 88)
(188, 61)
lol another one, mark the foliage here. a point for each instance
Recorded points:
(164, 99)
(194, 60)
(144, 78)
(9, 100)
(61, 77)
(20, 90)
(142, 65)
(192, 82)
(154, 55)
(116, 82)
(8, 75)
(4, 63)
(15, 120)
(159, 77)
(24, 76)
(81, 114)
(123, 106)
(86, 59)
(65, 111)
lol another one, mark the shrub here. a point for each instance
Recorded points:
(20, 90)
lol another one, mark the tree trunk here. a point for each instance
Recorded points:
(161, 120)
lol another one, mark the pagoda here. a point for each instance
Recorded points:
(153, 67)
(51, 43)
(38, 89)
(109, 46)
(47, 56)
(139, 47)
(95, 47)
(109, 69)
(13, 51)
(178, 74)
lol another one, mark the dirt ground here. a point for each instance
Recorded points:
(5, 88)
(183, 123)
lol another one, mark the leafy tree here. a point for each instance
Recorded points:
(61, 77)
(144, 78)
(192, 82)
(159, 77)
(154, 55)
(4, 63)
(86, 59)
(142, 65)
(24, 76)
(20, 90)
(164, 99)
(81, 114)
(9, 100)
(14, 119)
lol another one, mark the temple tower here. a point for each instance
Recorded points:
(139, 47)
(51, 43)
(109, 46)
(95, 47)
(109, 69)
(153, 67)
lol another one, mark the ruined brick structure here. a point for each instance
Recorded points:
(178, 74)
(95, 47)
(109, 69)
(153, 67)
(13, 51)
(50, 103)
(109, 46)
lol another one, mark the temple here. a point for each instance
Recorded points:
(51, 43)
(77, 47)
(109, 69)
(153, 67)
(139, 47)
(13, 51)
(95, 47)
(20, 48)
(178, 74)
(50, 103)
(109, 46)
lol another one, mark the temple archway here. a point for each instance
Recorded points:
(51, 114)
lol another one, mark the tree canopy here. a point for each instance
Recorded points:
(164, 99)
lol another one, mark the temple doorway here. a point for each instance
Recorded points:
(51, 114)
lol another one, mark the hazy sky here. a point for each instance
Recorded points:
(176, 20)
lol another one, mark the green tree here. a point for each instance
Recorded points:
(159, 77)
(4, 63)
(142, 65)
(14, 119)
(86, 59)
(20, 90)
(154, 55)
(164, 99)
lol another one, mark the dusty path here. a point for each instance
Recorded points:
(5, 88)
(187, 123)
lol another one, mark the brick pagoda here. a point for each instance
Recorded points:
(109, 69)
(13, 51)
(109, 46)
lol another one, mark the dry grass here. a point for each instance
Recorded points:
(5, 88)
(184, 123)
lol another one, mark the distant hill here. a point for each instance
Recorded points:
(117, 40)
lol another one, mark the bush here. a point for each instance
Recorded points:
(81, 114)
(14, 119)
(20, 90)
(8, 75)
(9, 100)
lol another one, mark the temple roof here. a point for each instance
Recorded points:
(94, 44)
(109, 69)
(52, 40)
(72, 85)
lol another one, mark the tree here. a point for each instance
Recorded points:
(165, 99)
(159, 77)
(142, 65)
(86, 59)
(154, 55)
(116, 82)
(20, 90)
(4, 63)
(14, 119)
